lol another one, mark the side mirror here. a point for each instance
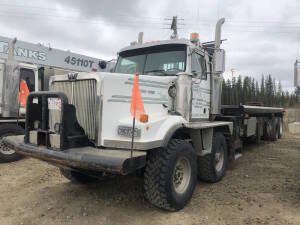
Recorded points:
(219, 61)
(202, 76)
(195, 73)
(102, 64)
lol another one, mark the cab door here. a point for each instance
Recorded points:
(30, 74)
(200, 87)
(29, 77)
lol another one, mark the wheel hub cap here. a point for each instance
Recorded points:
(181, 175)
(4, 149)
(219, 159)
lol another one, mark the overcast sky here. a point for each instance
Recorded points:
(262, 35)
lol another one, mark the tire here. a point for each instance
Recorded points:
(7, 154)
(170, 175)
(279, 129)
(210, 169)
(276, 134)
(77, 177)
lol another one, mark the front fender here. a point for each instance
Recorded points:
(154, 134)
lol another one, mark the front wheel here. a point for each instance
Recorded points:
(7, 154)
(212, 167)
(170, 175)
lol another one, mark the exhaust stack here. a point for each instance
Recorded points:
(218, 33)
(140, 38)
(218, 69)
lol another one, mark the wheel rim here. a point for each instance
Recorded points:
(4, 149)
(219, 158)
(181, 175)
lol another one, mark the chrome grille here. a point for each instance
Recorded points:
(82, 94)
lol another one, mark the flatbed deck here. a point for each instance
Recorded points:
(259, 111)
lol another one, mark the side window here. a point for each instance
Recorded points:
(195, 63)
(203, 67)
(28, 76)
(198, 66)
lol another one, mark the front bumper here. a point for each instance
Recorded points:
(87, 158)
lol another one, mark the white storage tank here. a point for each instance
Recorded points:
(294, 128)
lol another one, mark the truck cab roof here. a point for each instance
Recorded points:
(134, 46)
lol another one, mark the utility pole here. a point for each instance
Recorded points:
(174, 28)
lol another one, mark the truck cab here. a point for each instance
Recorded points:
(170, 58)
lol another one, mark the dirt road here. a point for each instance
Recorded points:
(262, 187)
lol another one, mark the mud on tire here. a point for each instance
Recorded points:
(166, 186)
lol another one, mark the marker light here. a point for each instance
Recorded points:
(144, 118)
(194, 37)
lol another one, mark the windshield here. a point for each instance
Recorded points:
(161, 60)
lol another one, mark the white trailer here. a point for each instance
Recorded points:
(84, 125)
(35, 64)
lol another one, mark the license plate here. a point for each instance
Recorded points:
(54, 103)
(127, 131)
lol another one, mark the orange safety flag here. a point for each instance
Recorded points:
(23, 94)
(137, 106)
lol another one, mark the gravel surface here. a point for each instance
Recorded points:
(262, 187)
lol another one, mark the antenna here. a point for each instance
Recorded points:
(173, 26)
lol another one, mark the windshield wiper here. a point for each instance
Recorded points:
(161, 71)
(175, 69)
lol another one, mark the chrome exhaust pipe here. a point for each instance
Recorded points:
(218, 32)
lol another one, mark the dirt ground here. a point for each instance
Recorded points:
(262, 187)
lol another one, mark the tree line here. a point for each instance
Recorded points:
(267, 92)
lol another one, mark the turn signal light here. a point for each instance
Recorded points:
(144, 118)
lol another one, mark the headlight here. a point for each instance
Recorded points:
(172, 91)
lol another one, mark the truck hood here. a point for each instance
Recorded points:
(116, 91)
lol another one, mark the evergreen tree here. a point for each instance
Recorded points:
(247, 89)
(262, 89)
(257, 92)
(239, 91)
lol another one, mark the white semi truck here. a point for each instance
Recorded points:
(35, 64)
(84, 125)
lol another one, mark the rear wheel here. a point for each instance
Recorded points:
(212, 167)
(170, 175)
(76, 177)
(7, 154)
(277, 131)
